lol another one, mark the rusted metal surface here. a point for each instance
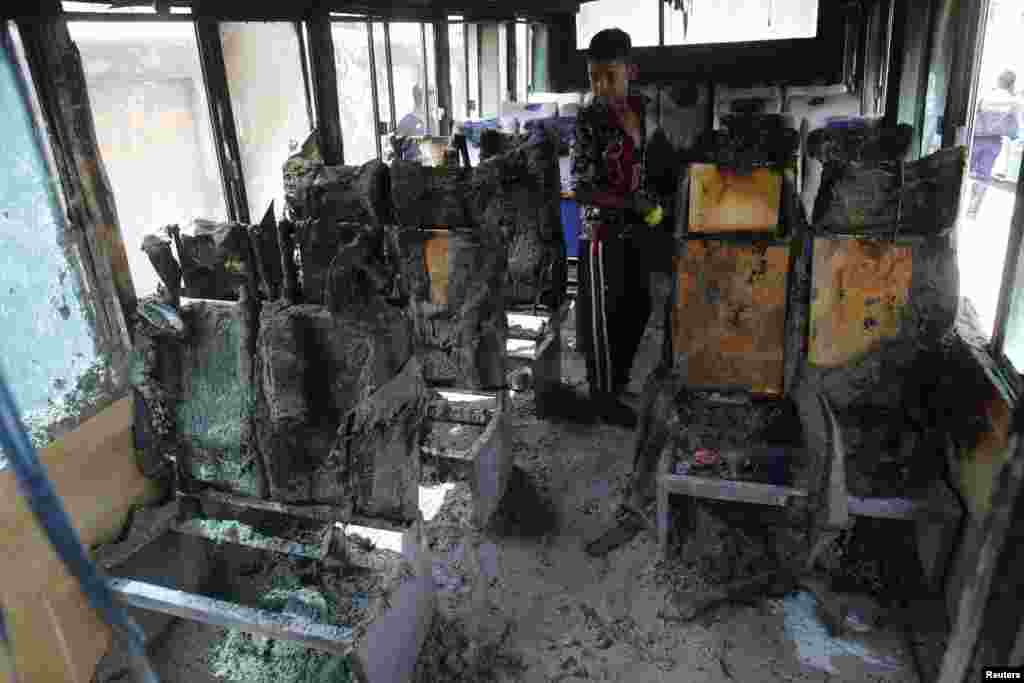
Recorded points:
(435, 250)
(273, 544)
(728, 320)
(725, 201)
(463, 408)
(337, 640)
(860, 289)
(729, 490)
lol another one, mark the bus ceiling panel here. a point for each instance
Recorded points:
(274, 10)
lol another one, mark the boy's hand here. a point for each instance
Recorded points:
(651, 212)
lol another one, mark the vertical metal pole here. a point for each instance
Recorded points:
(391, 74)
(373, 90)
(511, 61)
(465, 49)
(443, 74)
(529, 59)
(479, 72)
(303, 58)
(661, 22)
(426, 79)
(325, 87)
(215, 81)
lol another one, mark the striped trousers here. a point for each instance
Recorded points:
(612, 306)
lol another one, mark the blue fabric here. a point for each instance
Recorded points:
(564, 126)
(984, 153)
(571, 227)
(410, 125)
(474, 129)
(847, 122)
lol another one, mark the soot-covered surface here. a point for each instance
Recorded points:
(523, 602)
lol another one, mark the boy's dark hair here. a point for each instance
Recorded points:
(610, 45)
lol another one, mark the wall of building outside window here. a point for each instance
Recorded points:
(153, 125)
(457, 59)
(268, 98)
(409, 71)
(355, 91)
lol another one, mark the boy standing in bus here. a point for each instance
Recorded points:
(608, 168)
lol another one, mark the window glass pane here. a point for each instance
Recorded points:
(457, 45)
(431, 76)
(539, 58)
(355, 94)
(473, 36)
(522, 63)
(409, 73)
(309, 67)
(638, 19)
(732, 21)
(1013, 346)
(104, 8)
(492, 84)
(268, 98)
(381, 63)
(989, 193)
(48, 353)
(505, 95)
(153, 124)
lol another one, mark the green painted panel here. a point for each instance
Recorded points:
(215, 399)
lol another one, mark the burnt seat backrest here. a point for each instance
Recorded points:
(884, 301)
(517, 193)
(429, 197)
(453, 282)
(514, 193)
(211, 259)
(733, 314)
(341, 393)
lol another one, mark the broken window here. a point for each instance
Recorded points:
(48, 352)
(457, 60)
(268, 97)
(639, 19)
(735, 21)
(355, 90)
(153, 125)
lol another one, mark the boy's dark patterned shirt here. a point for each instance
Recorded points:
(606, 159)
